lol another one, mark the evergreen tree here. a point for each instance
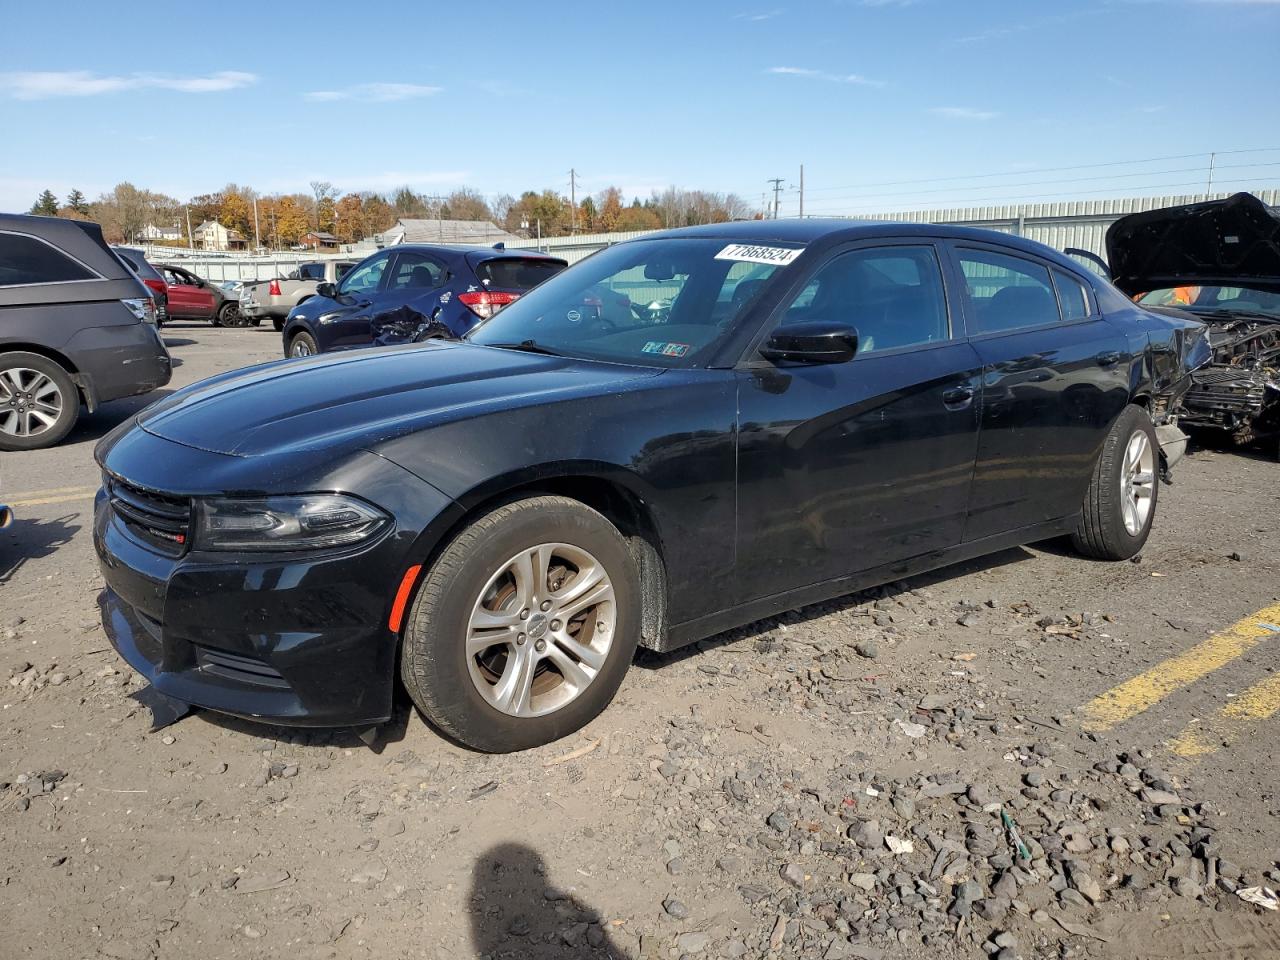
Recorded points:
(46, 205)
(77, 202)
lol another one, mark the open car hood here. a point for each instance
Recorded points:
(1232, 242)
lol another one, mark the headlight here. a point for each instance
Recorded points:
(306, 522)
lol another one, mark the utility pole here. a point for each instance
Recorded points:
(1209, 186)
(257, 234)
(190, 243)
(802, 191)
(573, 201)
(777, 189)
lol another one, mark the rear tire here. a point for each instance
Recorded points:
(302, 345)
(33, 391)
(1120, 505)
(456, 669)
(276, 322)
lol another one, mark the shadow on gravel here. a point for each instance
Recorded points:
(514, 913)
(29, 540)
(648, 660)
(177, 342)
(347, 738)
(92, 426)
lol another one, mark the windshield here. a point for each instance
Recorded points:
(1208, 299)
(660, 303)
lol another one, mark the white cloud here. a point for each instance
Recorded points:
(964, 113)
(376, 92)
(758, 17)
(854, 78)
(47, 84)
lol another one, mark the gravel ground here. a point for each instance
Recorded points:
(838, 782)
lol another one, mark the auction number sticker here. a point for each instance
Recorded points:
(756, 253)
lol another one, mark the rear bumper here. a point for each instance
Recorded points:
(119, 361)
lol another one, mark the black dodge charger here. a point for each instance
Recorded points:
(681, 434)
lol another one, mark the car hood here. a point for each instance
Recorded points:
(360, 399)
(1232, 242)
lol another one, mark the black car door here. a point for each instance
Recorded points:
(348, 324)
(845, 467)
(410, 297)
(1054, 376)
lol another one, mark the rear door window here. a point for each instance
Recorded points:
(516, 273)
(415, 271)
(24, 259)
(1006, 292)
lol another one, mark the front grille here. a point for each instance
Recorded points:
(235, 666)
(160, 520)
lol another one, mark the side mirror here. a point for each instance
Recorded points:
(326, 289)
(814, 341)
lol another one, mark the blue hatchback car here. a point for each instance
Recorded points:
(413, 292)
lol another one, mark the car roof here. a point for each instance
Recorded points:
(80, 238)
(826, 231)
(460, 250)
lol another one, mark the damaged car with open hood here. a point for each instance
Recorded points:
(1220, 262)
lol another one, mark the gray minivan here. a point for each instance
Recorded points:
(76, 326)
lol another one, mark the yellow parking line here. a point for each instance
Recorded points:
(82, 493)
(1138, 694)
(1259, 702)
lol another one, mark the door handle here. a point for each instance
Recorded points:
(1109, 359)
(957, 398)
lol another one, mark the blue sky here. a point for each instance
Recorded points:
(504, 96)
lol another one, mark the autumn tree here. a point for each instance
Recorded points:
(609, 202)
(378, 213)
(291, 220)
(351, 223)
(235, 210)
(204, 207)
(639, 217)
(587, 214)
(465, 204)
(46, 205)
(325, 193)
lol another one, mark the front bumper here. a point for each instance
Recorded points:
(295, 639)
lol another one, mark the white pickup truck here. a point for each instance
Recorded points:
(275, 298)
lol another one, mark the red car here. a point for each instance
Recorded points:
(193, 298)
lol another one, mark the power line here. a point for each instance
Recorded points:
(1035, 170)
(1036, 183)
(1069, 193)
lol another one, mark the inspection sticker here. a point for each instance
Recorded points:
(665, 349)
(755, 253)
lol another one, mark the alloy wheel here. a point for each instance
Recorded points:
(300, 348)
(1138, 480)
(30, 402)
(541, 629)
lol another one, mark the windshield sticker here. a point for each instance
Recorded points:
(754, 253)
(665, 349)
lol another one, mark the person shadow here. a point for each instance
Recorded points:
(516, 913)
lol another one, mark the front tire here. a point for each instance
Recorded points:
(303, 345)
(524, 626)
(1120, 505)
(38, 402)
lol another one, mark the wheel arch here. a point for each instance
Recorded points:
(83, 384)
(615, 493)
